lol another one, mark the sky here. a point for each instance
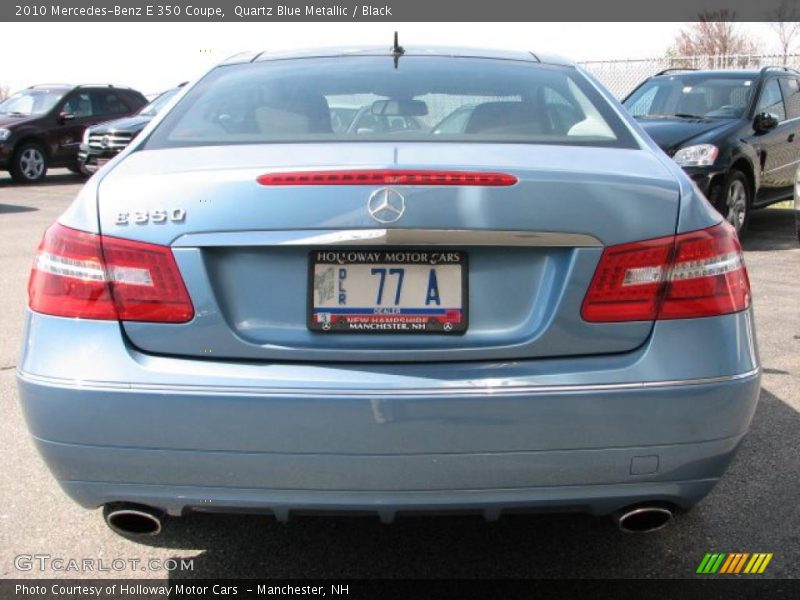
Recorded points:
(161, 55)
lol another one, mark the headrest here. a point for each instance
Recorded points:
(294, 113)
(505, 117)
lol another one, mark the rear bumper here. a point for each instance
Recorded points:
(597, 481)
(591, 434)
(282, 504)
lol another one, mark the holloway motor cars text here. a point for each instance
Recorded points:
(208, 12)
(180, 590)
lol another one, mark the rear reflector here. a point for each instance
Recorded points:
(78, 274)
(388, 177)
(697, 274)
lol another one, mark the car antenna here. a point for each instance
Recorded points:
(397, 51)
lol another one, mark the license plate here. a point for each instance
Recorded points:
(388, 291)
(101, 162)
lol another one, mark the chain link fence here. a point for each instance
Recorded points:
(621, 76)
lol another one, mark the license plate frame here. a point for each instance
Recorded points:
(447, 323)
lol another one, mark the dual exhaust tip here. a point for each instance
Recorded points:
(140, 520)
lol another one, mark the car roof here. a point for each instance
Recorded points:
(52, 86)
(72, 86)
(451, 51)
(724, 73)
(106, 85)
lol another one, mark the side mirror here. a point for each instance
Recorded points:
(765, 122)
(65, 117)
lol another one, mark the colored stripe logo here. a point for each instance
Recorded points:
(734, 563)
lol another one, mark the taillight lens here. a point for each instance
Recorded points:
(78, 274)
(697, 274)
(389, 177)
(68, 277)
(628, 282)
(708, 276)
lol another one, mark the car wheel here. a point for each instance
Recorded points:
(736, 201)
(29, 164)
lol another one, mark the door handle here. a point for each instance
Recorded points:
(790, 138)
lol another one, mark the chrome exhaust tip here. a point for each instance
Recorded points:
(133, 519)
(643, 519)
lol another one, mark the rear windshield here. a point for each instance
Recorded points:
(367, 98)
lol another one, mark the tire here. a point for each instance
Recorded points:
(86, 169)
(29, 164)
(735, 200)
(77, 169)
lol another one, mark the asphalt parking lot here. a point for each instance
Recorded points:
(754, 509)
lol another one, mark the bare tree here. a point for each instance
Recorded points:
(785, 24)
(714, 34)
(4, 91)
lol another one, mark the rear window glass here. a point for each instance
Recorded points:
(365, 98)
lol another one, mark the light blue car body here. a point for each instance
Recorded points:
(243, 408)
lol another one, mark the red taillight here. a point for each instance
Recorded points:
(697, 274)
(78, 274)
(68, 278)
(388, 177)
(628, 281)
(708, 276)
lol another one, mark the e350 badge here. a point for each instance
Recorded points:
(157, 215)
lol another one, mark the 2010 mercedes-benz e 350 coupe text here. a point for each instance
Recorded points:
(258, 307)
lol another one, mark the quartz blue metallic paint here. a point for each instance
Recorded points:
(243, 408)
(181, 434)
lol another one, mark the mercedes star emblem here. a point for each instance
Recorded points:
(386, 205)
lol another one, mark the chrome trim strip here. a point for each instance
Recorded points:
(794, 162)
(393, 237)
(471, 391)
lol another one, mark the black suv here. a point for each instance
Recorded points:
(42, 126)
(736, 133)
(103, 142)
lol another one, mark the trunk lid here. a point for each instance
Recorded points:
(243, 248)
